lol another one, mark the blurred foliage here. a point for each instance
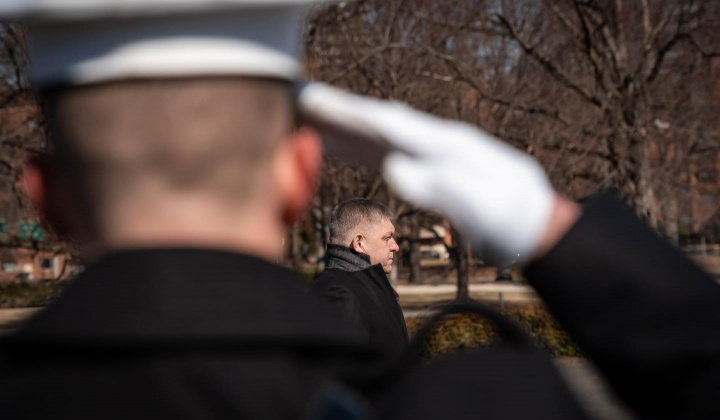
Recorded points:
(457, 333)
(308, 273)
(24, 295)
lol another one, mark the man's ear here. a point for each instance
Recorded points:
(34, 180)
(297, 168)
(358, 243)
(41, 189)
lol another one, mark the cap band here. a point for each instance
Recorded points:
(250, 42)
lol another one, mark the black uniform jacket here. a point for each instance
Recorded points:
(366, 299)
(645, 314)
(176, 334)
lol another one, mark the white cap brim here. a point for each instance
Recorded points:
(74, 10)
(78, 42)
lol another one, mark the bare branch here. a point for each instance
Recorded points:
(551, 68)
(485, 94)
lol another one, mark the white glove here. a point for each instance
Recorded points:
(499, 196)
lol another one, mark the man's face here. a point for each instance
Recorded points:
(380, 244)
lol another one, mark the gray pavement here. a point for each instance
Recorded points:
(424, 296)
(591, 389)
(11, 319)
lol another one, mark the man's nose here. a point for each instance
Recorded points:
(394, 246)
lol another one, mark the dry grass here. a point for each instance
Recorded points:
(471, 331)
(21, 295)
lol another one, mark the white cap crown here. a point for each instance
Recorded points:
(90, 41)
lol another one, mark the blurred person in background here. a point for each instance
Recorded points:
(358, 259)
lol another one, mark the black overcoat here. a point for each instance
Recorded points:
(368, 302)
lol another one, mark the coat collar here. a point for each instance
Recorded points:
(185, 295)
(346, 259)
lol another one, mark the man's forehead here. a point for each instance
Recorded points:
(376, 223)
(386, 224)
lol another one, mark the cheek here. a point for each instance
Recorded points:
(378, 254)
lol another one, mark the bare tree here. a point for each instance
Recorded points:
(621, 83)
(416, 274)
(22, 133)
(602, 101)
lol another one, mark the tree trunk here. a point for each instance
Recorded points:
(463, 270)
(639, 181)
(646, 195)
(670, 220)
(318, 217)
(416, 274)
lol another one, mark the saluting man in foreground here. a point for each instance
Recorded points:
(176, 168)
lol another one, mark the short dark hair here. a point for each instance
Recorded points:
(213, 134)
(350, 213)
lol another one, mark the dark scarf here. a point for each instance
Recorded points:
(345, 259)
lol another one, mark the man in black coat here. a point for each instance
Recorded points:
(358, 259)
(176, 170)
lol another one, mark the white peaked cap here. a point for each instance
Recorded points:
(79, 42)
